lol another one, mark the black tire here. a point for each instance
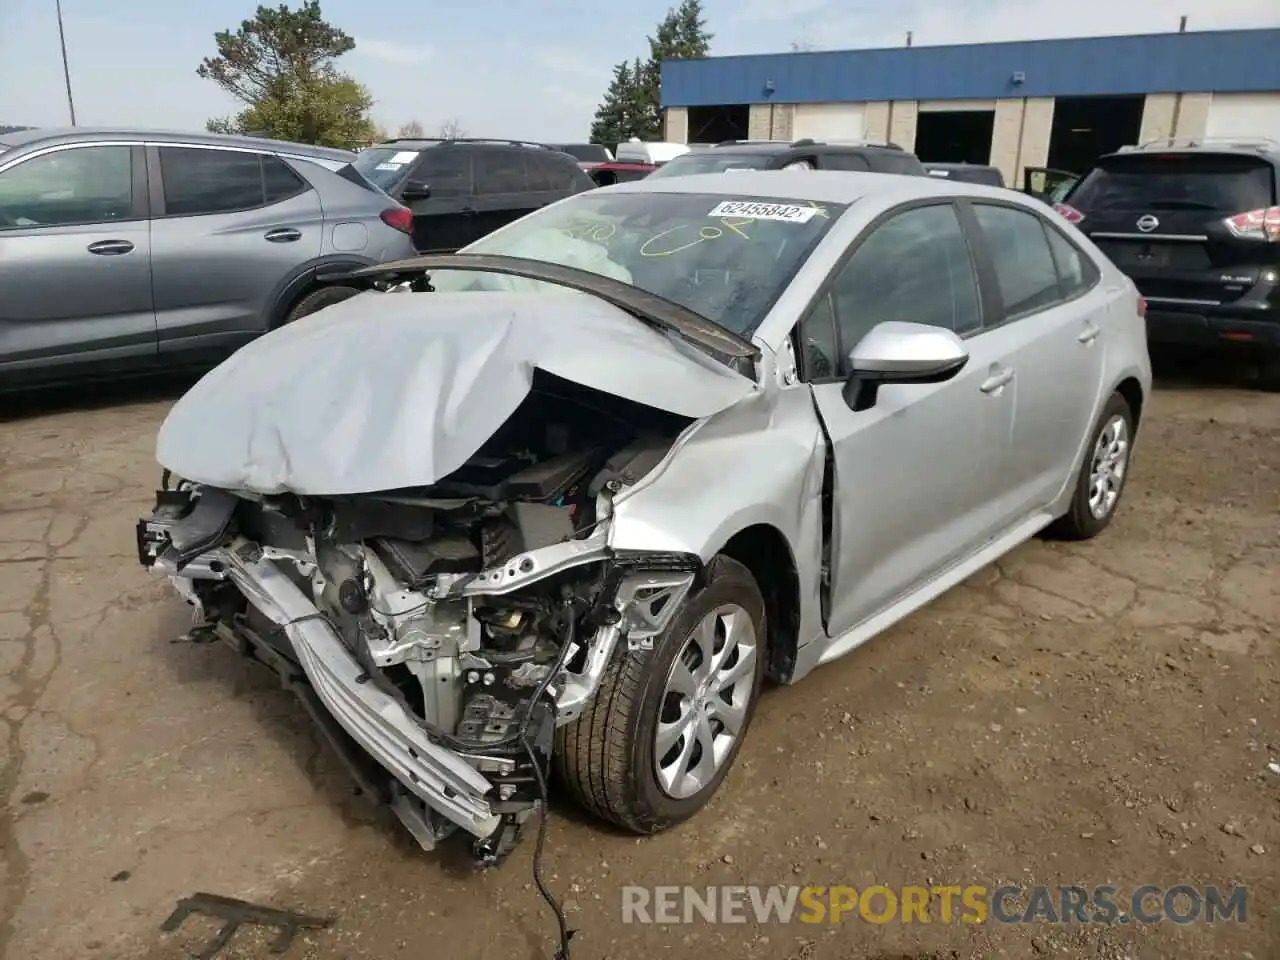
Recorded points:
(605, 757)
(318, 299)
(1079, 522)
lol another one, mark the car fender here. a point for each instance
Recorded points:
(303, 278)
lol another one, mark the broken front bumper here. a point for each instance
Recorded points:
(378, 723)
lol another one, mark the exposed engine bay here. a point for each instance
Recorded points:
(439, 635)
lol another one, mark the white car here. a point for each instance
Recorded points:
(566, 498)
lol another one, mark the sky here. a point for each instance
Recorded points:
(524, 69)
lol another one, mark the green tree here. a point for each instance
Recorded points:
(612, 122)
(281, 65)
(682, 35)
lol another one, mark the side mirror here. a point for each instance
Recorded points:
(415, 190)
(898, 352)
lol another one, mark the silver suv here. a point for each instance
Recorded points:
(124, 252)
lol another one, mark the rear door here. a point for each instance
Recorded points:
(503, 188)
(75, 259)
(1053, 309)
(1162, 219)
(229, 228)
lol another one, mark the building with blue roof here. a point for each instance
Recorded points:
(1027, 104)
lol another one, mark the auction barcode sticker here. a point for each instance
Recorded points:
(754, 210)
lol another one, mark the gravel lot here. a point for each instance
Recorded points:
(1080, 713)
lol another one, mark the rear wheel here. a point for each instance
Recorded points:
(318, 300)
(666, 724)
(1102, 475)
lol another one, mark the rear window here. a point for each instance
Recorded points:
(385, 166)
(586, 152)
(709, 162)
(349, 173)
(1224, 184)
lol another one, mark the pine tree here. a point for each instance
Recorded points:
(612, 120)
(682, 35)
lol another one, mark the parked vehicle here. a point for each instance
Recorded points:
(1048, 184)
(737, 156)
(460, 190)
(125, 252)
(967, 173)
(619, 461)
(654, 152)
(588, 155)
(607, 174)
(1196, 224)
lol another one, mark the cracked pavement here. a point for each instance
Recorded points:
(1093, 713)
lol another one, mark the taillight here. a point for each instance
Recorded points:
(1142, 307)
(398, 218)
(1263, 224)
(1069, 213)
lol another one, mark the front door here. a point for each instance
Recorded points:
(916, 483)
(75, 261)
(444, 220)
(235, 226)
(1054, 312)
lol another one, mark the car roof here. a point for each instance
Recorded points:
(959, 166)
(1263, 147)
(784, 146)
(828, 186)
(54, 135)
(422, 143)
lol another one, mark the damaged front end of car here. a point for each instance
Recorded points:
(438, 635)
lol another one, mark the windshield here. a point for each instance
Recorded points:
(726, 258)
(385, 166)
(586, 152)
(712, 162)
(1220, 183)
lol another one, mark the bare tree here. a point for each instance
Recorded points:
(451, 130)
(412, 130)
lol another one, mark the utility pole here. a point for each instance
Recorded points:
(908, 38)
(1182, 25)
(66, 68)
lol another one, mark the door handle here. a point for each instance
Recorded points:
(996, 380)
(283, 235)
(1090, 334)
(110, 248)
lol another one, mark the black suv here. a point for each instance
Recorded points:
(1197, 226)
(798, 154)
(460, 190)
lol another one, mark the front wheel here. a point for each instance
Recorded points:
(1102, 475)
(318, 300)
(666, 724)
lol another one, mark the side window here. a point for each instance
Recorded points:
(279, 180)
(500, 171)
(913, 267)
(1076, 272)
(446, 170)
(551, 173)
(845, 161)
(799, 165)
(819, 347)
(198, 181)
(1024, 266)
(541, 176)
(80, 185)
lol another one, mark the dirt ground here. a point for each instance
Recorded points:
(1097, 713)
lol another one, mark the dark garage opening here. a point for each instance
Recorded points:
(955, 136)
(1084, 128)
(713, 124)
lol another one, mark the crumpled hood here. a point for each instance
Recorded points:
(391, 390)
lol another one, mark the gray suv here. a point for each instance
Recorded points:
(128, 252)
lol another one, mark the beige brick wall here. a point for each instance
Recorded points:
(676, 125)
(1006, 140)
(784, 115)
(1193, 115)
(758, 122)
(875, 121)
(902, 124)
(1037, 125)
(1157, 116)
